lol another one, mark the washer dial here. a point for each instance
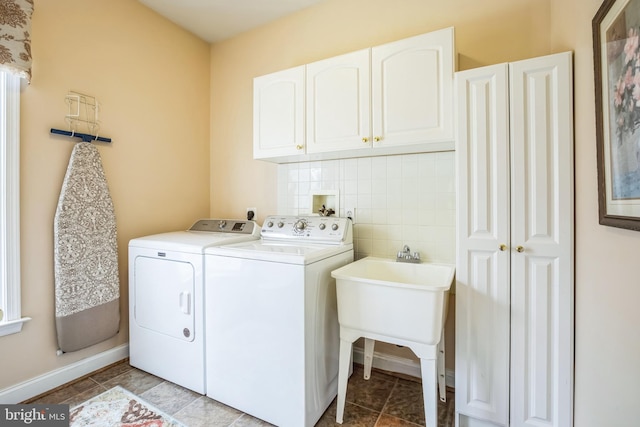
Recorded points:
(300, 225)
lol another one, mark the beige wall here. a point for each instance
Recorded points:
(152, 80)
(607, 292)
(487, 32)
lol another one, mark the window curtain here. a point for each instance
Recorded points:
(15, 37)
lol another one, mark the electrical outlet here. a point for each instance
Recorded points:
(350, 213)
(252, 214)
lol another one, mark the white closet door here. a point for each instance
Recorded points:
(542, 226)
(482, 268)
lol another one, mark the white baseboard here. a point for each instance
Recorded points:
(402, 365)
(52, 379)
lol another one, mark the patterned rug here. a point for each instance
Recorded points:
(119, 408)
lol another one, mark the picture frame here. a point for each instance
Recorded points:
(616, 57)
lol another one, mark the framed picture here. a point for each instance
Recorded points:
(616, 47)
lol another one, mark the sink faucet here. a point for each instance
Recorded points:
(405, 255)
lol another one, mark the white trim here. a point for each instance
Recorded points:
(10, 203)
(402, 365)
(12, 326)
(52, 379)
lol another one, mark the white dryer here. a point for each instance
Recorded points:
(273, 338)
(166, 298)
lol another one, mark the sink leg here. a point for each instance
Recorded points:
(343, 377)
(368, 357)
(429, 389)
(441, 373)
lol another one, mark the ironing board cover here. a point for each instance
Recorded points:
(87, 288)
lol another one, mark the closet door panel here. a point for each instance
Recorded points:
(542, 234)
(482, 270)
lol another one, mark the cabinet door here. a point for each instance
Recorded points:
(542, 225)
(483, 259)
(338, 103)
(278, 114)
(412, 90)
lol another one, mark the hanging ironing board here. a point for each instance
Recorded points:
(87, 288)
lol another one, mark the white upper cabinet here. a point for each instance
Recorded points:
(390, 99)
(278, 114)
(411, 90)
(338, 103)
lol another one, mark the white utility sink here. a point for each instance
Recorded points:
(403, 300)
(396, 302)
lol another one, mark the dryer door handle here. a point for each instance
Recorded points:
(185, 302)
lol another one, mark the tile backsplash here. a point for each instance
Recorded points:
(398, 200)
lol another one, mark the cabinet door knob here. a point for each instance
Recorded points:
(502, 247)
(519, 249)
(365, 139)
(299, 147)
(377, 138)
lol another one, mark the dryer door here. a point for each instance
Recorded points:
(163, 293)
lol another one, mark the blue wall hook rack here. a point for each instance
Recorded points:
(84, 136)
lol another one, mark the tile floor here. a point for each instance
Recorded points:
(386, 400)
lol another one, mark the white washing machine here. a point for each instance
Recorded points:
(273, 337)
(166, 298)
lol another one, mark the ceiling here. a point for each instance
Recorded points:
(216, 20)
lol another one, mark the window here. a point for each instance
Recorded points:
(12, 320)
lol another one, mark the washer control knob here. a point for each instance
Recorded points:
(280, 224)
(300, 225)
(270, 224)
(334, 227)
(222, 224)
(322, 226)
